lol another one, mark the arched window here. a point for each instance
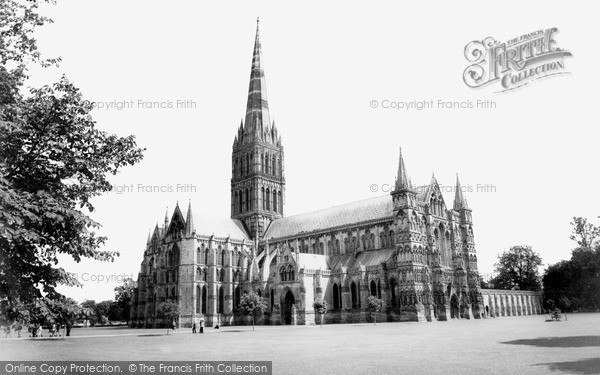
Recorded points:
(235, 202)
(354, 295)
(247, 164)
(392, 239)
(268, 202)
(379, 289)
(205, 274)
(219, 257)
(337, 246)
(247, 200)
(173, 294)
(291, 273)
(272, 304)
(237, 297)
(198, 299)
(274, 201)
(266, 163)
(373, 288)
(204, 299)
(336, 297)
(223, 255)
(280, 207)
(221, 301)
(222, 275)
(240, 202)
(283, 274)
(274, 166)
(263, 198)
(393, 284)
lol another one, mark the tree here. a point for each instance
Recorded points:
(123, 294)
(65, 311)
(169, 312)
(517, 268)
(252, 304)
(53, 160)
(577, 280)
(375, 305)
(89, 306)
(584, 233)
(102, 310)
(320, 306)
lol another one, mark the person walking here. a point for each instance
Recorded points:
(194, 328)
(202, 326)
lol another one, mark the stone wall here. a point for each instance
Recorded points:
(498, 303)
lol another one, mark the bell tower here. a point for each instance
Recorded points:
(257, 179)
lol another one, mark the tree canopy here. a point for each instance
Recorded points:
(517, 268)
(252, 304)
(53, 161)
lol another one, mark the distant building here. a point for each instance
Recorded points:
(407, 248)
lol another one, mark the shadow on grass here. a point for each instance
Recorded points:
(559, 342)
(153, 334)
(583, 366)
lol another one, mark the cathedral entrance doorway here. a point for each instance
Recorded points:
(288, 308)
(454, 311)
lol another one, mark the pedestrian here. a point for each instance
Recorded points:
(194, 328)
(202, 326)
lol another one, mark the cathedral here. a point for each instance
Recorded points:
(407, 248)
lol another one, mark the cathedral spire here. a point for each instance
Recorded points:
(189, 221)
(402, 181)
(257, 107)
(166, 218)
(459, 200)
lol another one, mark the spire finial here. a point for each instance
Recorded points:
(459, 199)
(401, 177)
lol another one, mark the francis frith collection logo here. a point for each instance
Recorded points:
(514, 63)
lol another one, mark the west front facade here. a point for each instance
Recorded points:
(408, 248)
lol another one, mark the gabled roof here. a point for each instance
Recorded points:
(347, 214)
(220, 227)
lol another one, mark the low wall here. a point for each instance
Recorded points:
(499, 302)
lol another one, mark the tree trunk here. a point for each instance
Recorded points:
(321, 320)
(253, 322)
(68, 330)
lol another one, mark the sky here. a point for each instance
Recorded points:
(527, 163)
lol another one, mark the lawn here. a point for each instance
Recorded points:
(511, 345)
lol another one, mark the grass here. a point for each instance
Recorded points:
(515, 345)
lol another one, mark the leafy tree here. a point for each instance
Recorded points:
(123, 295)
(102, 311)
(252, 304)
(320, 306)
(115, 313)
(53, 160)
(65, 311)
(584, 233)
(577, 280)
(89, 307)
(169, 312)
(375, 305)
(517, 268)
